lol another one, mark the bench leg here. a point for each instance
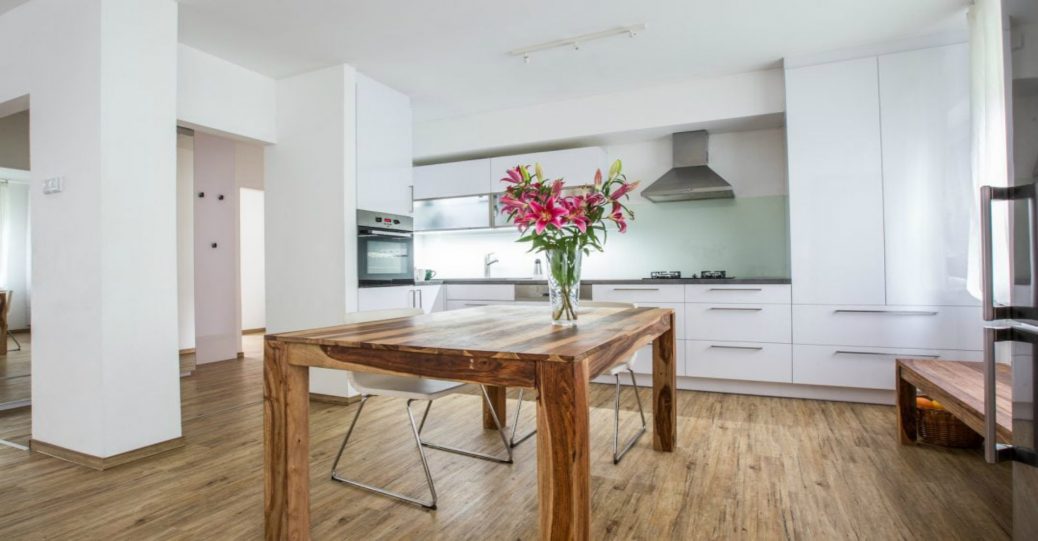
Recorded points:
(906, 410)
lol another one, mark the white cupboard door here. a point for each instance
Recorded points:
(835, 183)
(384, 162)
(384, 298)
(927, 185)
(454, 179)
(577, 166)
(431, 298)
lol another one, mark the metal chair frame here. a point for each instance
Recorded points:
(416, 430)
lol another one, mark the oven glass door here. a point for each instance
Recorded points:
(385, 257)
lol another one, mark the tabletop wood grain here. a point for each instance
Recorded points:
(496, 332)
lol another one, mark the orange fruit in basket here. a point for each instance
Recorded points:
(923, 402)
(936, 405)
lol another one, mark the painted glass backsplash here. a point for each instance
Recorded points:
(748, 237)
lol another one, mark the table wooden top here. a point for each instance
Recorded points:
(499, 332)
(959, 386)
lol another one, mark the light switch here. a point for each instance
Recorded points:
(53, 185)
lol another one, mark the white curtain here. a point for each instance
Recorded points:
(988, 104)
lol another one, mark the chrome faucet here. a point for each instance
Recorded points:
(488, 260)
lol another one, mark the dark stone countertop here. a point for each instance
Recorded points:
(507, 281)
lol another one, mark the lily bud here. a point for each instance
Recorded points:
(538, 171)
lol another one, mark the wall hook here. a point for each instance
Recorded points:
(201, 194)
(220, 197)
(213, 245)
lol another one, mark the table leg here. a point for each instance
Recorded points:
(906, 410)
(286, 446)
(664, 384)
(563, 454)
(498, 397)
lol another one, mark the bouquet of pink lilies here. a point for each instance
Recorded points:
(565, 223)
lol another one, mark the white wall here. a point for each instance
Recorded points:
(224, 97)
(690, 102)
(186, 240)
(253, 280)
(102, 76)
(217, 288)
(311, 209)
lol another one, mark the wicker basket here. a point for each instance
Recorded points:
(938, 427)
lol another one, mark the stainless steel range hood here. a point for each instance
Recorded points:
(691, 178)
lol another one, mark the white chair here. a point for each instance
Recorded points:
(409, 388)
(615, 372)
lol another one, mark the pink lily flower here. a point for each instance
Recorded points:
(514, 177)
(546, 214)
(556, 187)
(623, 189)
(576, 213)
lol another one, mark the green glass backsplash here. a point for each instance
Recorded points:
(748, 237)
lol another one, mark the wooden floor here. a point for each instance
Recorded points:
(746, 468)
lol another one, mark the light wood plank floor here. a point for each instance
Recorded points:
(746, 468)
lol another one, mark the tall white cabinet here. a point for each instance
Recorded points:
(879, 196)
(384, 152)
(835, 183)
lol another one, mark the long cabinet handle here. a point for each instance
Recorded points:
(476, 304)
(881, 354)
(735, 289)
(636, 289)
(754, 348)
(733, 309)
(888, 312)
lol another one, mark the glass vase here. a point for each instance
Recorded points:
(564, 284)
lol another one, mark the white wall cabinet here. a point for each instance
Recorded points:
(384, 153)
(454, 179)
(576, 166)
(927, 196)
(835, 183)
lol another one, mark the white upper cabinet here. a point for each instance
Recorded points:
(576, 166)
(453, 179)
(835, 183)
(925, 111)
(384, 160)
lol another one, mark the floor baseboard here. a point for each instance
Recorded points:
(104, 463)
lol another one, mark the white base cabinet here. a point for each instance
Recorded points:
(429, 298)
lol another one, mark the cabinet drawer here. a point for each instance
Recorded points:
(638, 293)
(738, 322)
(643, 360)
(739, 360)
(936, 327)
(853, 366)
(481, 292)
(458, 305)
(738, 293)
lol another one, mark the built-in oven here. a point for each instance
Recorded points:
(385, 248)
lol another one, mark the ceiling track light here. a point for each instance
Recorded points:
(577, 41)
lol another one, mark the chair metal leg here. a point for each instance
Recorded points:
(17, 343)
(465, 452)
(616, 420)
(430, 504)
(512, 442)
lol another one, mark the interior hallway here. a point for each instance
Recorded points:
(772, 468)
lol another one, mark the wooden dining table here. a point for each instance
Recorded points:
(497, 346)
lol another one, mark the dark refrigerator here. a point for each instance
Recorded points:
(1011, 290)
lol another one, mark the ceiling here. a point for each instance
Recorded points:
(451, 57)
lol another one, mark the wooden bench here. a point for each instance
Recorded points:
(959, 387)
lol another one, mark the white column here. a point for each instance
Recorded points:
(103, 94)
(311, 209)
